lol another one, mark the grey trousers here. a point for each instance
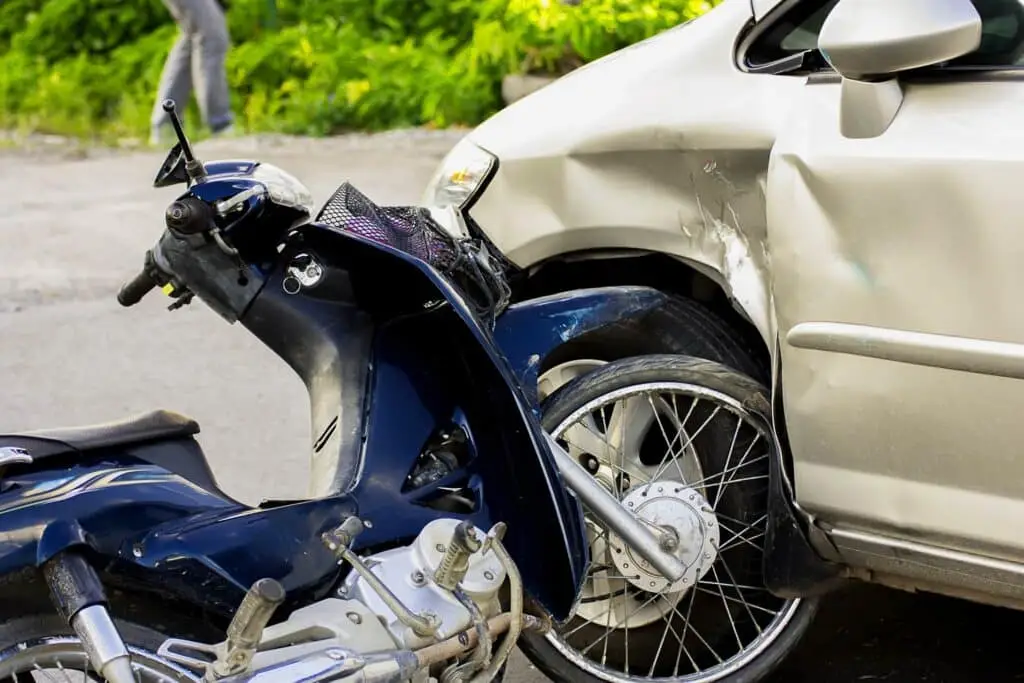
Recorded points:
(197, 58)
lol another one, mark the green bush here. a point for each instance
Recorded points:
(90, 67)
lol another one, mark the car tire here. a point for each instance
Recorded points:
(748, 398)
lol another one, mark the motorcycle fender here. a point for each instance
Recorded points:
(530, 330)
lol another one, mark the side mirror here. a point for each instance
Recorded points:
(173, 171)
(870, 42)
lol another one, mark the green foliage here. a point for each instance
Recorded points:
(88, 66)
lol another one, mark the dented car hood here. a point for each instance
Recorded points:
(662, 146)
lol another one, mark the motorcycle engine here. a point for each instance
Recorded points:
(409, 573)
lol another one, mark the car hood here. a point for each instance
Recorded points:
(645, 96)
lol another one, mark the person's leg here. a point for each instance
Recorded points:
(210, 42)
(175, 84)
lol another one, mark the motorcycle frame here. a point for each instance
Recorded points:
(153, 520)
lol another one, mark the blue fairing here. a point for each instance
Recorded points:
(433, 366)
(530, 330)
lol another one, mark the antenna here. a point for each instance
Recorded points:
(193, 167)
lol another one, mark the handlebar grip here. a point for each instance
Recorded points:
(139, 286)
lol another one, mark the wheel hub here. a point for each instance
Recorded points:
(690, 533)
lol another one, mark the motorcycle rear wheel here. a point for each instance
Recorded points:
(724, 628)
(43, 647)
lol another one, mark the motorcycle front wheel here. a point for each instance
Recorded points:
(686, 442)
(44, 648)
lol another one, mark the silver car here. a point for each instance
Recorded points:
(827, 190)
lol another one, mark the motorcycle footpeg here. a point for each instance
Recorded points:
(246, 628)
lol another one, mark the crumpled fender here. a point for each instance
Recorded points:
(530, 330)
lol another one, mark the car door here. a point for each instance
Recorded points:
(897, 279)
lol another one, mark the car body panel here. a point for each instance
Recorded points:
(761, 8)
(896, 277)
(881, 272)
(662, 146)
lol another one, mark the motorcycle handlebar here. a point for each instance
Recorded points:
(139, 286)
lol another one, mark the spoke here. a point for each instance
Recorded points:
(728, 458)
(732, 599)
(682, 638)
(741, 535)
(735, 543)
(681, 430)
(728, 613)
(699, 636)
(624, 622)
(691, 437)
(721, 488)
(669, 627)
(725, 566)
(668, 453)
(733, 585)
(721, 475)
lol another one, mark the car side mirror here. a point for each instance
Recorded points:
(870, 42)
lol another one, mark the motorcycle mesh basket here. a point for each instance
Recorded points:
(408, 229)
(411, 229)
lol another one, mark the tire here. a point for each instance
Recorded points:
(745, 404)
(682, 326)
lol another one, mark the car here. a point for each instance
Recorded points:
(826, 192)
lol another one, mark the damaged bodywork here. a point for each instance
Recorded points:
(865, 224)
(662, 147)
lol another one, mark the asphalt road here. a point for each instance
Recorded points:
(72, 229)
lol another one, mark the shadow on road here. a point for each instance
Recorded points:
(867, 633)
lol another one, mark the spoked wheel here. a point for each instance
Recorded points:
(43, 649)
(685, 443)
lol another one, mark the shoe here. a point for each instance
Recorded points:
(228, 131)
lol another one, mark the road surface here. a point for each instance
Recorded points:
(71, 229)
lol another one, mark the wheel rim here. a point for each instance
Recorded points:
(621, 431)
(61, 658)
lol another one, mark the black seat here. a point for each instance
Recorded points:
(154, 426)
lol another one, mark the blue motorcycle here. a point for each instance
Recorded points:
(446, 522)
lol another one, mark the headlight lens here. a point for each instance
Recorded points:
(284, 188)
(461, 175)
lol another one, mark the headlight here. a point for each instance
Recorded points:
(461, 176)
(284, 188)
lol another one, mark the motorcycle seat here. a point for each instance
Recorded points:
(153, 426)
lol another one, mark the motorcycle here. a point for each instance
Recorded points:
(445, 523)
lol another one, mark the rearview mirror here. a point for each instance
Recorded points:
(874, 39)
(870, 42)
(172, 171)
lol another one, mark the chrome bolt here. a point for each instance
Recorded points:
(368, 524)
(343, 591)
(137, 550)
(489, 575)
(354, 617)
(418, 578)
(707, 556)
(337, 655)
(439, 547)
